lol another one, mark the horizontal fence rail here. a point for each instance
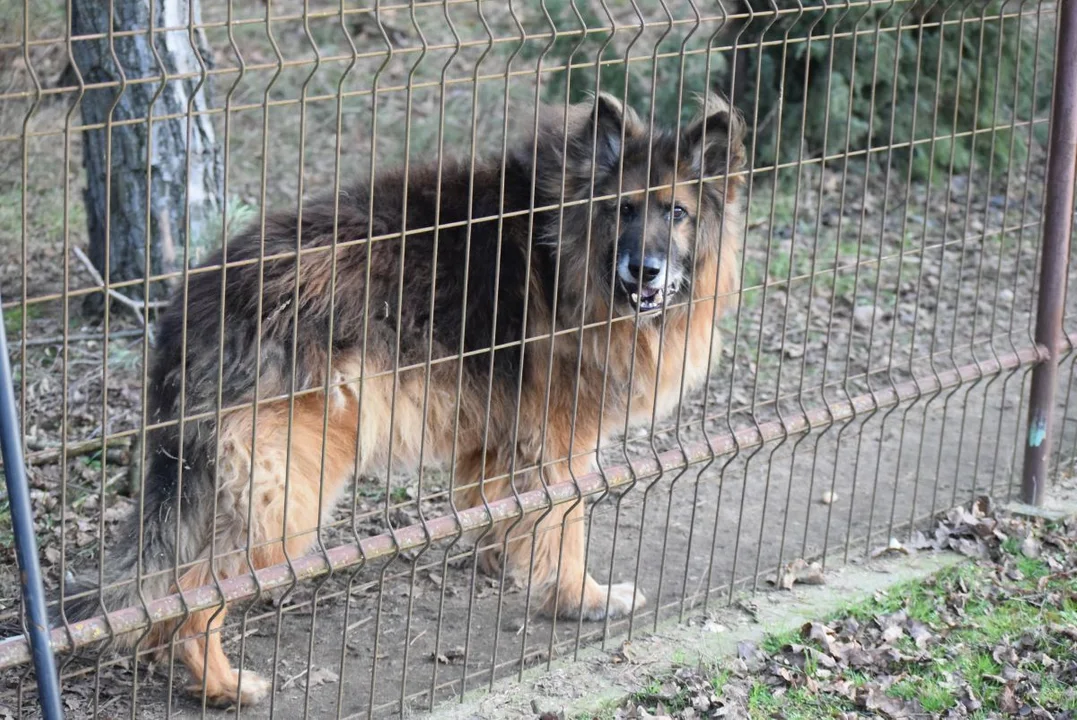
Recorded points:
(16, 651)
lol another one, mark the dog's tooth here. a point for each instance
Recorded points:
(635, 297)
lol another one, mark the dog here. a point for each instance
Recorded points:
(507, 319)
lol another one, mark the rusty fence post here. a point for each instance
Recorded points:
(1057, 227)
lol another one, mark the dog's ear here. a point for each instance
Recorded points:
(714, 140)
(609, 119)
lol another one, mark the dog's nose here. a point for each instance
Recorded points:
(647, 271)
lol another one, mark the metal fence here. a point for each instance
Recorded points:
(487, 391)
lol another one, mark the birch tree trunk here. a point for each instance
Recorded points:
(146, 181)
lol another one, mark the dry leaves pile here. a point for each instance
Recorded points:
(917, 654)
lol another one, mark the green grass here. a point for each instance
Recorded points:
(818, 257)
(719, 681)
(13, 319)
(774, 643)
(45, 212)
(936, 699)
(1057, 694)
(795, 704)
(91, 462)
(993, 612)
(967, 651)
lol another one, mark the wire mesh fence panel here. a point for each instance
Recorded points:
(371, 353)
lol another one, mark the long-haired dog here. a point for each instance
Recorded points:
(426, 311)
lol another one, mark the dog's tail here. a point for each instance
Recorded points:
(141, 564)
(155, 544)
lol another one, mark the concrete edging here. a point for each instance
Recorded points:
(595, 681)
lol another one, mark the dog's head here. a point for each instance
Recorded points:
(661, 195)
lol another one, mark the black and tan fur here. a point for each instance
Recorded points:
(232, 502)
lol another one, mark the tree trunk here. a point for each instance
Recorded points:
(183, 163)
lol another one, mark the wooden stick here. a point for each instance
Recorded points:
(137, 305)
(75, 449)
(78, 337)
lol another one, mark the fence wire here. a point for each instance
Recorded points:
(480, 381)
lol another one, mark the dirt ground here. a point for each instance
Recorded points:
(854, 279)
(429, 625)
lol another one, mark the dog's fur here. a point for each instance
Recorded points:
(239, 491)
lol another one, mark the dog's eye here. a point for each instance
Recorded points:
(627, 210)
(679, 213)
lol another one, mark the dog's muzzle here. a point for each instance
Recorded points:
(647, 281)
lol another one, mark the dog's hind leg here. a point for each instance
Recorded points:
(549, 548)
(560, 557)
(284, 489)
(200, 649)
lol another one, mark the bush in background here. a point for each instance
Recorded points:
(852, 76)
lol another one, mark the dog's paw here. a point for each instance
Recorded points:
(253, 688)
(615, 601)
(600, 601)
(226, 694)
(624, 599)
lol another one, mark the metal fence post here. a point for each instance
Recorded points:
(22, 523)
(1057, 227)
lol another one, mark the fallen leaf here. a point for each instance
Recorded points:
(1004, 654)
(623, 654)
(919, 632)
(116, 513)
(892, 634)
(969, 548)
(1069, 631)
(919, 541)
(824, 660)
(1031, 547)
(714, 627)
(818, 632)
(894, 547)
(898, 618)
(753, 657)
(449, 656)
(873, 700)
(801, 571)
(1007, 701)
(968, 698)
(321, 676)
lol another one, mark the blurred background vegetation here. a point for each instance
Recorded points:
(812, 77)
(820, 78)
(951, 95)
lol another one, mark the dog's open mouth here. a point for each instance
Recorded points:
(649, 298)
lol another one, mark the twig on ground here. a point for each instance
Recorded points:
(96, 492)
(138, 306)
(358, 624)
(77, 338)
(287, 683)
(49, 455)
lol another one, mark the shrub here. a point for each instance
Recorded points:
(853, 75)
